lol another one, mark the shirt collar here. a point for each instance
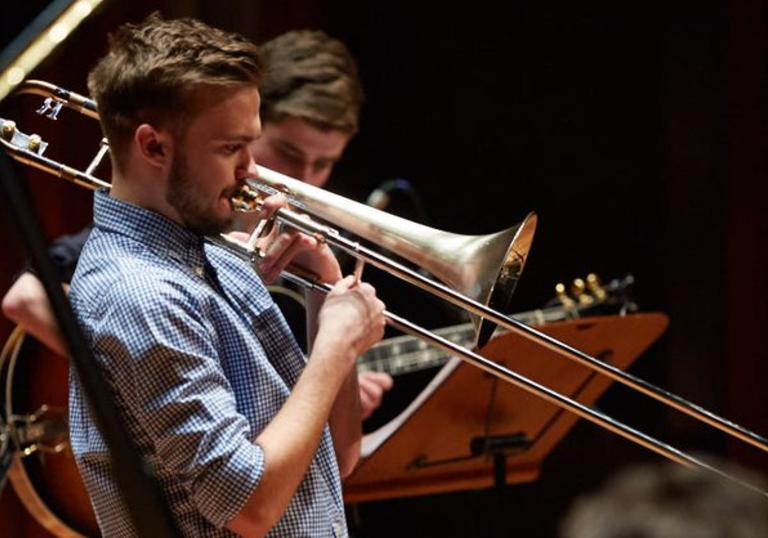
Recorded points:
(152, 229)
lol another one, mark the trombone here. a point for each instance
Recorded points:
(476, 273)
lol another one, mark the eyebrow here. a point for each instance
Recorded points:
(235, 138)
(288, 145)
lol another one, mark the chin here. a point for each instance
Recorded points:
(223, 221)
(210, 223)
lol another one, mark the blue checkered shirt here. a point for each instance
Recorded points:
(200, 360)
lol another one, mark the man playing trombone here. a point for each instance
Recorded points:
(248, 437)
(311, 97)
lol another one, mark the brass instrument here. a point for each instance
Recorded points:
(479, 273)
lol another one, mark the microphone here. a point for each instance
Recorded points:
(407, 204)
(380, 196)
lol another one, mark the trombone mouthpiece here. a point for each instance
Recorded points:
(246, 200)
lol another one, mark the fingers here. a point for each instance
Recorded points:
(372, 388)
(240, 237)
(354, 313)
(379, 379)
(375, 306)
(368, 404)
(343, 285)
(280, 248)
(362, 293)
(350, 282)
(281, 251)
(376, 321)
(271, 204)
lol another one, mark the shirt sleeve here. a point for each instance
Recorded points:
(160, 357)
(64, 251)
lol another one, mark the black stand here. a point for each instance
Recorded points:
(499, 448)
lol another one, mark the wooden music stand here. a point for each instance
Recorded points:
(429, 447)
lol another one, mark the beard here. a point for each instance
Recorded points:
(194, 213)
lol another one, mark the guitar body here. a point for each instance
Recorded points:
(47, 482)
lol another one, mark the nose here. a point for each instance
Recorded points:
(303, 172)
(246, 166)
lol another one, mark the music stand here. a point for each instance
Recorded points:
(470, 430)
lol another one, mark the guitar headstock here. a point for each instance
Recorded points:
(591, 296)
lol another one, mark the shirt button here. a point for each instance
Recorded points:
(199, 271)
(338, 528)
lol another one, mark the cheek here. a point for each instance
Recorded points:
(320, 178)
(275, 160)
(270, 160)
(262, 155)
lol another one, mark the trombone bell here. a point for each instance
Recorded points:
(485, 268)
(500, 259)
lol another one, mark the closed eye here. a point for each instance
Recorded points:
(290, 156)
(323, 164)
(231, 149)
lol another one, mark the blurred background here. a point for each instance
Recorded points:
(636, 131)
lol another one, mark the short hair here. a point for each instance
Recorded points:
(152, 68)
(671, 501)
(313, 77)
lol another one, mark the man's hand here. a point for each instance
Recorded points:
(282, 247)
(351, 318)
(373, 385)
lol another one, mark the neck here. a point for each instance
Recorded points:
(143, 191)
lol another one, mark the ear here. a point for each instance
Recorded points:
(153, 145)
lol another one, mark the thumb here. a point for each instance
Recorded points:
(345, 284)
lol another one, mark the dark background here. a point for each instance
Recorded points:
(636, 131)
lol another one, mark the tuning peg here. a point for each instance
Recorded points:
(7, 130)
(33, 143)
(578, 291)
(563, 297)
(596, 288)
